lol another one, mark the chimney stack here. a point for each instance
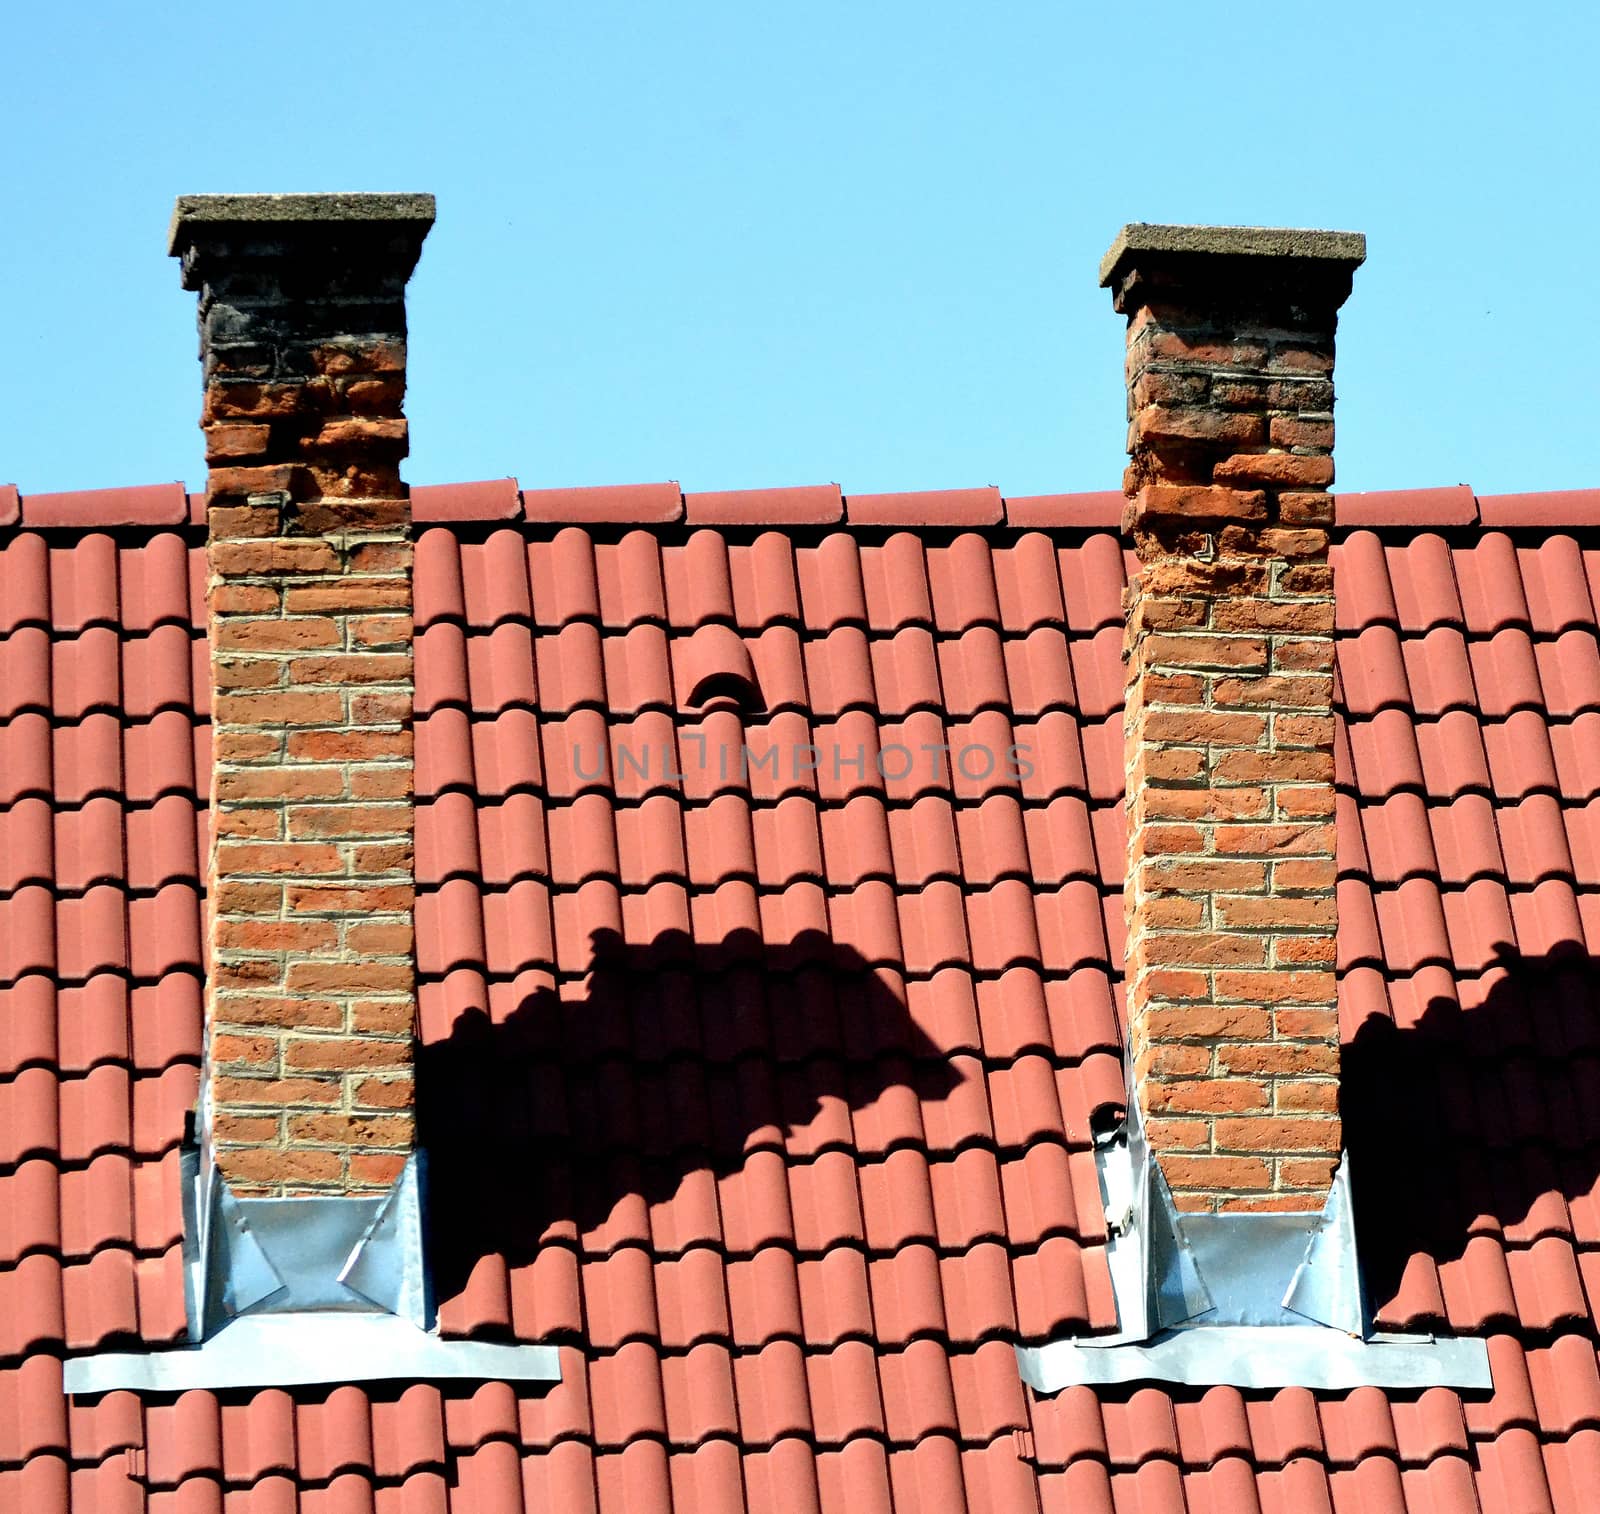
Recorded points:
(311, 997)
(1231, 911)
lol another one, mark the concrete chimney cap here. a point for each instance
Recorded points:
(1343, 249)
(192, 213)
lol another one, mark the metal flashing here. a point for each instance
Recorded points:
(1156, 1279)
(1261, 1356)
(318, 1289)
(1327, 1287)
(1256, 1300)
(352, 1254)
(386, 1265)
(287, 1350)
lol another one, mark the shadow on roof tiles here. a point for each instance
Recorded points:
(524, 1119)
(1474, 1121)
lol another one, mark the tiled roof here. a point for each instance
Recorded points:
(765, 1095)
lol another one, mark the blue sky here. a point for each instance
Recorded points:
(738, 245)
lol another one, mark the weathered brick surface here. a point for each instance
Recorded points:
(311, 991)
(1229, 731)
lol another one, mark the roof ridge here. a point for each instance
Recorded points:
(665, 503)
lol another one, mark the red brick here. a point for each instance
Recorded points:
(384, 1093)
(345, 1053)
(1311, 802)
(1305, 1172)
(243, 599)
(380, 938)
(1206, 876)
(230, 897)
(351, 1130)
(345, 669)
(1311, 509)
(350, 745)
(1292, 766)
(1202, 727)
(233, 439)
(1297, 1095)
(298, 708)
(292, 635)
(1304, 874)
(1159, 766)
(1169, 1059)
(395, 780)
(272, 558)
(372, 1170)
(1322, 1024)
(282, 1167)
(229, 1050)
(380, 630)
(1202, 651)
(383, 1016)
(1282, 1059)
(1281, 469)
(366, 819)
(322, 977)
(1176, 983)
(282, 1092)
(1198, 502)
(243, 1130)
(281, 1010)
(296, 782)
(361, 899)
(349, 594)
(1207, 1022)
(1216, 1173)
(1166, 840)
(231, 744)
(1301, 431)
(1204, 804)
(1276, 912)
(236, 858)
(1261, 1134)
(1296, 617)
(274, 935)
(1276, 988)
(245, 673)
(1305, 951)
(1208, 1095)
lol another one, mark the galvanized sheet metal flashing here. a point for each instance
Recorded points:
(1261, 1356)
(284, 1350)
(324, 1289)
(1252, 1300)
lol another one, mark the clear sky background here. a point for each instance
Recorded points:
(741, 245)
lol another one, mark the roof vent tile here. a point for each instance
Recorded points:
(715, 663)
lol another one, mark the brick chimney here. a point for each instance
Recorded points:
(311, 998)
(1229, 716)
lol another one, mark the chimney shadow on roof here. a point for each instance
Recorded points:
(1473, 1122)
(583, 1108)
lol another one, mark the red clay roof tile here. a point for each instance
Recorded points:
(1453, 506)
(820, 505)
(1565, 509)
(490, 499)
(630, 504)
(935, 508)
(145, 505)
